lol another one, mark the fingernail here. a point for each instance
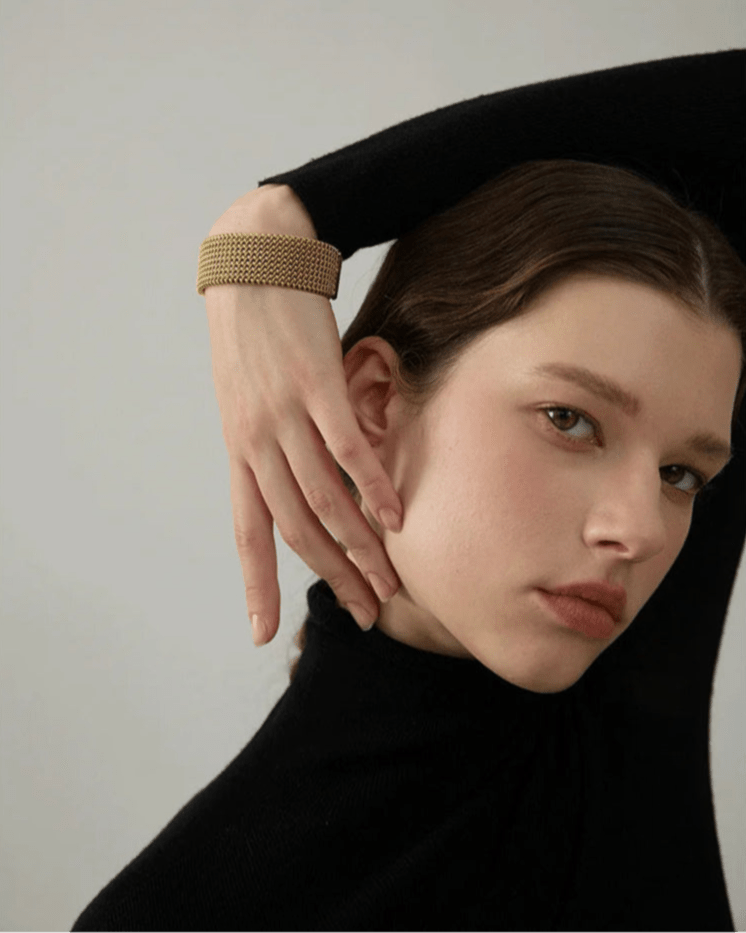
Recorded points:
(361, 616)
(390, 519)
(382, 588)
(257, 629)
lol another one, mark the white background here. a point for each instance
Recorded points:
(128, 676)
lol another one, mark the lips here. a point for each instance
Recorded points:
(610, 596)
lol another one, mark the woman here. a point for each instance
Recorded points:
(489, 757)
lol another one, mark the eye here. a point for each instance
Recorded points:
(575, 415)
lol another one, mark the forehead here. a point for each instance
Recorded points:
(640, 337)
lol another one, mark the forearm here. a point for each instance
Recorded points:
(379, 188)
(269, 209)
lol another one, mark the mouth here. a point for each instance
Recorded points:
(583, 616)
(609, 596)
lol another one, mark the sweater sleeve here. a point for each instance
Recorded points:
(663, 119)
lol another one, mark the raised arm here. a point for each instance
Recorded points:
(377, 189)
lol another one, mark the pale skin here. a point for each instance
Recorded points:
(497, 502)
(280, 387)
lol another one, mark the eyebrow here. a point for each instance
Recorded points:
(708, 445)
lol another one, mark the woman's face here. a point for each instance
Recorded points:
(499, 502)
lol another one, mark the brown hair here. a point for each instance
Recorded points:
(485, 260)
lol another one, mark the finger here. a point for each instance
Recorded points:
(252, 527)
(303, 533)
(322, 488)
(337, 424)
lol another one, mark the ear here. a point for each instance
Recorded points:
(371, 390)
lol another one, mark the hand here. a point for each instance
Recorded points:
(282, 394)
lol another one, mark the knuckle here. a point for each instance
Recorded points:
(346, 579)
(295, 538)
(362, 554)
(340, 583)
(346, 450)
(321, 502)
(250, 426)
(301, 372)
(368, 486)
(248, 540)
(252, 432)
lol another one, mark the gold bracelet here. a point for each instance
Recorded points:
(269, 259)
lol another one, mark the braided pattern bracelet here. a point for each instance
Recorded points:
(269, 259)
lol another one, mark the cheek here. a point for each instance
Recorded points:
(520, 499)
(483, 507)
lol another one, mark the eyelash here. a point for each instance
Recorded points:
(702, 485)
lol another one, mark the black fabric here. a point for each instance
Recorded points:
(680, 122)
(395, 789)
(379, 793)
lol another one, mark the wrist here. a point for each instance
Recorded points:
(267, 209)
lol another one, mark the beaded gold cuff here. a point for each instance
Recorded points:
(269, 259)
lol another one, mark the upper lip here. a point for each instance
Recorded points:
(610, 596)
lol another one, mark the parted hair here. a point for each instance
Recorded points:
(488, 258)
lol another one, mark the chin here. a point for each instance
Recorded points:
(545, 684)
(547, 675)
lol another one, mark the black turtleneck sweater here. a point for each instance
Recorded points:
(391, 788)
(396, 789)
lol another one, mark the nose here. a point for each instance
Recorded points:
(630, 515)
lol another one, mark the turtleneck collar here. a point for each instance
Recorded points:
(375, 675)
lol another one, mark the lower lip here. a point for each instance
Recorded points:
(581, 615)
